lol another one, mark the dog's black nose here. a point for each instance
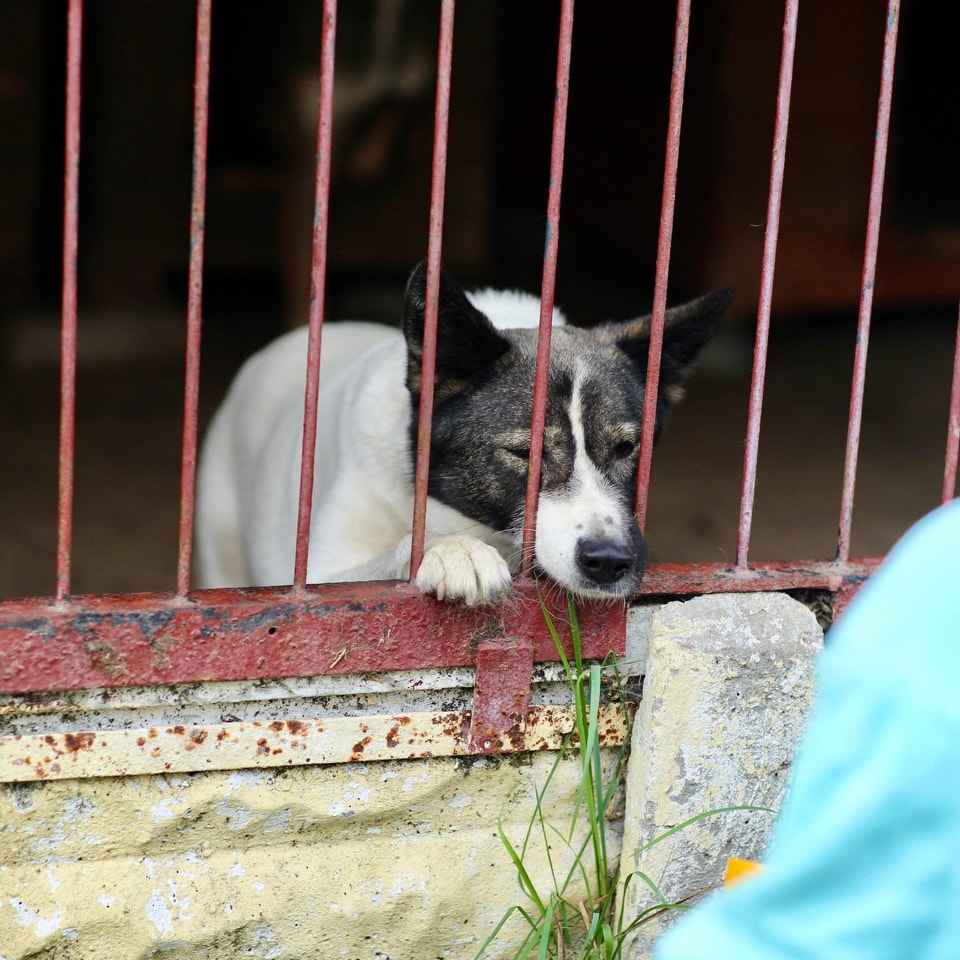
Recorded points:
(603, 561)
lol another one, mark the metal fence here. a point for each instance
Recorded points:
(70, 642)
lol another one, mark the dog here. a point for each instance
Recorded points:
(587, 538)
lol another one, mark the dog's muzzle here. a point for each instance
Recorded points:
(607, 563)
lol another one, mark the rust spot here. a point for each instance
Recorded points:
(41, 773)
(178, 730)
(276, 726)
(262, 747)
(155, 752)
(278, 750)
(222, 735)
(167, 766)
(426, 753)
(151, 732)
(78, 741)
(361, 744)
(49, 739)
(392, 738)
(141, 741)
(198, 736)
(402, 720)
(297, 728)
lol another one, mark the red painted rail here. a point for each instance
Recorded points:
(868, 278)
(68, 321)
(117, 641)
(767, 270)
(434, 249)
(664, 240)
(318, 275)
(191, 388)
(548, 285)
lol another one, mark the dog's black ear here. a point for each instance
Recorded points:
(686, 329)
(467, 342)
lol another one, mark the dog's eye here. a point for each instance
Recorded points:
(521, 453)
(623, 450)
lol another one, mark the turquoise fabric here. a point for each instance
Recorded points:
(865, 857)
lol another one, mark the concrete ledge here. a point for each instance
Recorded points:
(727, 687)
(396, 858)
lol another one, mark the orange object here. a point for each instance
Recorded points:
(738, 870)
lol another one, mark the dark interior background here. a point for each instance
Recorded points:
(135, 184)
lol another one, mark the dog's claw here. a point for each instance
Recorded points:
(465, 569)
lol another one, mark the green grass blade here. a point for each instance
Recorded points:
(526, 884)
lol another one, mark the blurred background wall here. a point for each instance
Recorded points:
(135, 184)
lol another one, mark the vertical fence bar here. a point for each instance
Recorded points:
(664, 240)
(867, 280)
(191, 386)
(68, 317)
(317, 288)
(434, 249)
(953, 427)
(551, 247)
(767, 272)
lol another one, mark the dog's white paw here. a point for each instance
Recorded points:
(463, 568)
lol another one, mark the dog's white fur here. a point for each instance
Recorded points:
(360, 527)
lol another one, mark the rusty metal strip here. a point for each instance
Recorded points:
(868, 277)
(551, 249)
(109, 641)
(501, 694)
(664, 240)
(434, 248)
(771, 233)
(68, 318)
(953, 428)
(280, 743)
(318, 275)
(191, 385)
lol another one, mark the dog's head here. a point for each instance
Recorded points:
(587, 538)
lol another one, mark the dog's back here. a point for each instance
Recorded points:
(251, 454)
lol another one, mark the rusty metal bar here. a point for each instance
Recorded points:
(68, 317)
(548, 285)
(191, 387)
(434, 249)
(340, 628)
(317, 288)
(953, 427)
(867, 280)
(664, 240)
(767, 271)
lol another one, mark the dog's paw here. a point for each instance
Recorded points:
(463, 568)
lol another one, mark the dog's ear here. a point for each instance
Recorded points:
(686, 329)
(467, 342)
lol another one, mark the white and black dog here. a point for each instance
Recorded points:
(587, 539)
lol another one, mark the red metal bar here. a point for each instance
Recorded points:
(317, 289)
(249, 634)
(664, 240)
(771, 234)
(191, 387)
(68, 321)
(551, 247)
(953, 428)
(867, 279)
(104, 641)
(434, 248)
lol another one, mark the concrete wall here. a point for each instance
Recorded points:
(392, 859)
